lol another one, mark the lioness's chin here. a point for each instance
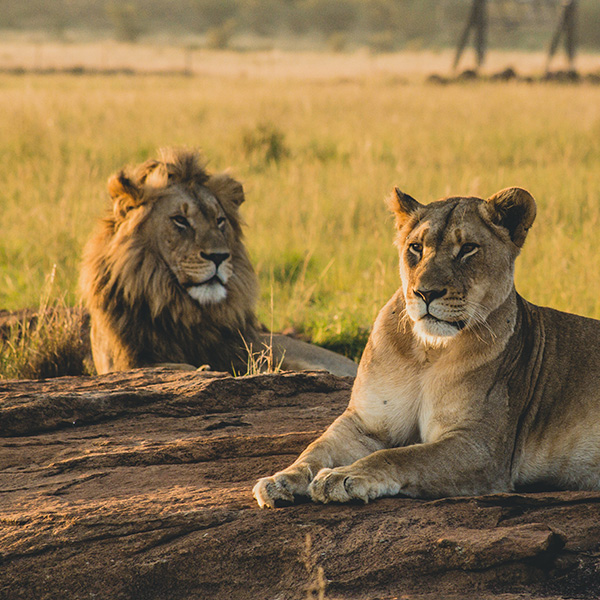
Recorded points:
(208, 293)
(436, 333)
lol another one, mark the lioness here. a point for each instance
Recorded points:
(167, 279)
(464, 387)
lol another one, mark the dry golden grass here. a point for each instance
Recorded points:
(318, 145)
(21, 51)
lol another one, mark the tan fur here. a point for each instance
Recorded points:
(167, 278)
(464, 388)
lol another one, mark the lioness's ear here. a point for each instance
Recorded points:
(402, 205)
(124, 193)
(514, 209)
(226, 188)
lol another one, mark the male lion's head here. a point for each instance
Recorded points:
(167, 277)
(457, 258)
(184, 216)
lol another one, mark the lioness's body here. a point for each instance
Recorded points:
(469, 391)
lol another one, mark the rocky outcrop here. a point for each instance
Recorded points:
(137, 485)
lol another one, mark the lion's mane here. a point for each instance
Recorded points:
(140, 314)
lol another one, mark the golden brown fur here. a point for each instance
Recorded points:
(464, 387)
(167, 278)
(139, 269)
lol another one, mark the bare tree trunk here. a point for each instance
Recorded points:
(477, 21)
(481, 31)
(567, 25)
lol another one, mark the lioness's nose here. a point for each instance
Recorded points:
(216, 257)
(430, 295)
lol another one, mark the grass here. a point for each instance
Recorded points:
(317, 156)
(46, 343)
(317, 582)
(261, 360)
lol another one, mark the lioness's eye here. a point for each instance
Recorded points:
(416, 249)
(221, 222)
(467, 250)
(180, 221)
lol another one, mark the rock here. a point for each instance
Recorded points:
(137, 485)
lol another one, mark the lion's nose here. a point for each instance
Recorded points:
(429, 296)
(216, 257)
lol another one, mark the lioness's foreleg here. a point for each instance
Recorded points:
(451, 467)
(344, 442)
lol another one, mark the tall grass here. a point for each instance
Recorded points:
(48, 342)
(316, 159)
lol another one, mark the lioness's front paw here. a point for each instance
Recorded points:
(340, 485)
(337, 485)
(269, 490)
(281, 488)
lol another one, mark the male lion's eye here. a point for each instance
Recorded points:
(467, 250)
(180, 221)
(416, 249)
(221, 222)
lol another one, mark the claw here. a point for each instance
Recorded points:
(271, 492)
(267, 491)
(346, 480)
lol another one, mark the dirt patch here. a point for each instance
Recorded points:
(137, 485)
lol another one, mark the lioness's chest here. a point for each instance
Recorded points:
(402, 407)
(389, 411)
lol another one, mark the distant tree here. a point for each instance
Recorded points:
(124, 18)
(333, 16)
(478, 23)
(219, 37)
(298, 16)
(588, 24)
(215, 13)
(262, 16)
(566, 27)
(381, 15)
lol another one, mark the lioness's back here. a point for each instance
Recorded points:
(560, 435)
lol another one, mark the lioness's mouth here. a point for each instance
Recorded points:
(457, 324)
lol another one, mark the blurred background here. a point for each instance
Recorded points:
(380, 25)
(320, 107)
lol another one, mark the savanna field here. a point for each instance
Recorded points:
(317, 153)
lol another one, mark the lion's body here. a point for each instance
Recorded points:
(145, 269)
(464, 387)
(167, 278)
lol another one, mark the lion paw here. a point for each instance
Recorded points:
(338, 485)
(345, 484)
(269, 491)
(280, 489)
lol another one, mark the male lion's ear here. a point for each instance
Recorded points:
(157, 177)
(514, 209)
(402, 205)
(226, 188)
(124, 193)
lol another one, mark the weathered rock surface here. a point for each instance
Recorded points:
(138, 485)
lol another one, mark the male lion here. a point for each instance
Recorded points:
(464, 387)
(167, 278)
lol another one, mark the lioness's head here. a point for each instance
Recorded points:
(457, 258)
(184, 217)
